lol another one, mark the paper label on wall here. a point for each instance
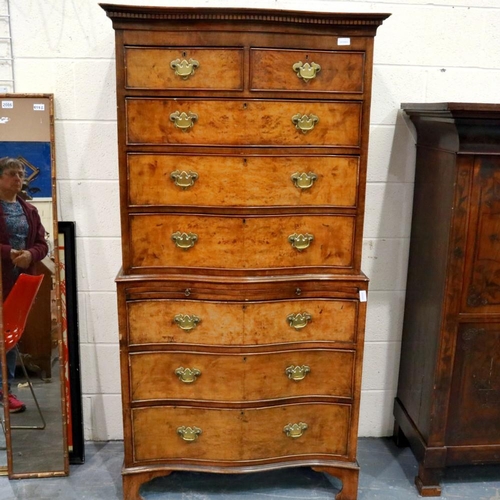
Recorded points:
(362, 295)
(344, 41)
(38, 107)
(7, 104)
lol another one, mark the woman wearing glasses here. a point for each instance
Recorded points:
(22, 243)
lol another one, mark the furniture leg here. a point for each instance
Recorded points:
(349, 478)
(427, 481)
(133, 482)
(398, 437)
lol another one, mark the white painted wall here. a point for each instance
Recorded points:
(445, 50)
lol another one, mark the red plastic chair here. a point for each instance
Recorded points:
(16, 308)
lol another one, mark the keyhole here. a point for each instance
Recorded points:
(307, 57)
(245, 105)
(184, 54)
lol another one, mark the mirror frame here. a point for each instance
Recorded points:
(4, 469)
(64, 471)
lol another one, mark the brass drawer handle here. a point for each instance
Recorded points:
(306, 71)
(299, 320)
(184, 240)
(184, 179)
(304, 123)
(303, 180)
(300, 241)
(187, 375)
(189, 434)
(186, 322)
(184, 68)
(294, 431)
(297, 373)
(183, 121)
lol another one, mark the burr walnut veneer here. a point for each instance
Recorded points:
(448, 399)
(243, 139)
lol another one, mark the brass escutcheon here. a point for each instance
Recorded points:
(184, 240)
(294, 431)
(299, 320)
(304, 123)
(187, 375)
(184, 68)
(184, 179)
(306, 71)
(300, 241)
(303, 180)
(189, 434)
(297, 373)
(187, 322)
(183, 121)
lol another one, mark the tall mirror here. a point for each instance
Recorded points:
(33, 396)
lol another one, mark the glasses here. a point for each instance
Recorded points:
(15, 173)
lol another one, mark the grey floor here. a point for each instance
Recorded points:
(38, 450)
(387, 473)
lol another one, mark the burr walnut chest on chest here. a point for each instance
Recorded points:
(243, 138)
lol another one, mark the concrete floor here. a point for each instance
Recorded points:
(387, 473)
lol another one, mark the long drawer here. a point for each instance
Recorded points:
(165, 322)
(241, 377)
(219, 181)
(243, 122)
(165, 240)
(204, 434)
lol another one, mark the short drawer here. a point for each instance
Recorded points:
(202, 434)
(243, 122)
(260, 181)
(157, 321)
(191, 68)
(241, 377)
(204, 241)
(307, 71)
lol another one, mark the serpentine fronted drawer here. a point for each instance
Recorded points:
(254, 435)
(200, 322)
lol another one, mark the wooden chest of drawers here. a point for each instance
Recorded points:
(242, 145)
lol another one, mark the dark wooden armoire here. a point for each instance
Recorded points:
(448, 398)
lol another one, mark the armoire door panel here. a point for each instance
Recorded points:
(474, 416)
(482, 286)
